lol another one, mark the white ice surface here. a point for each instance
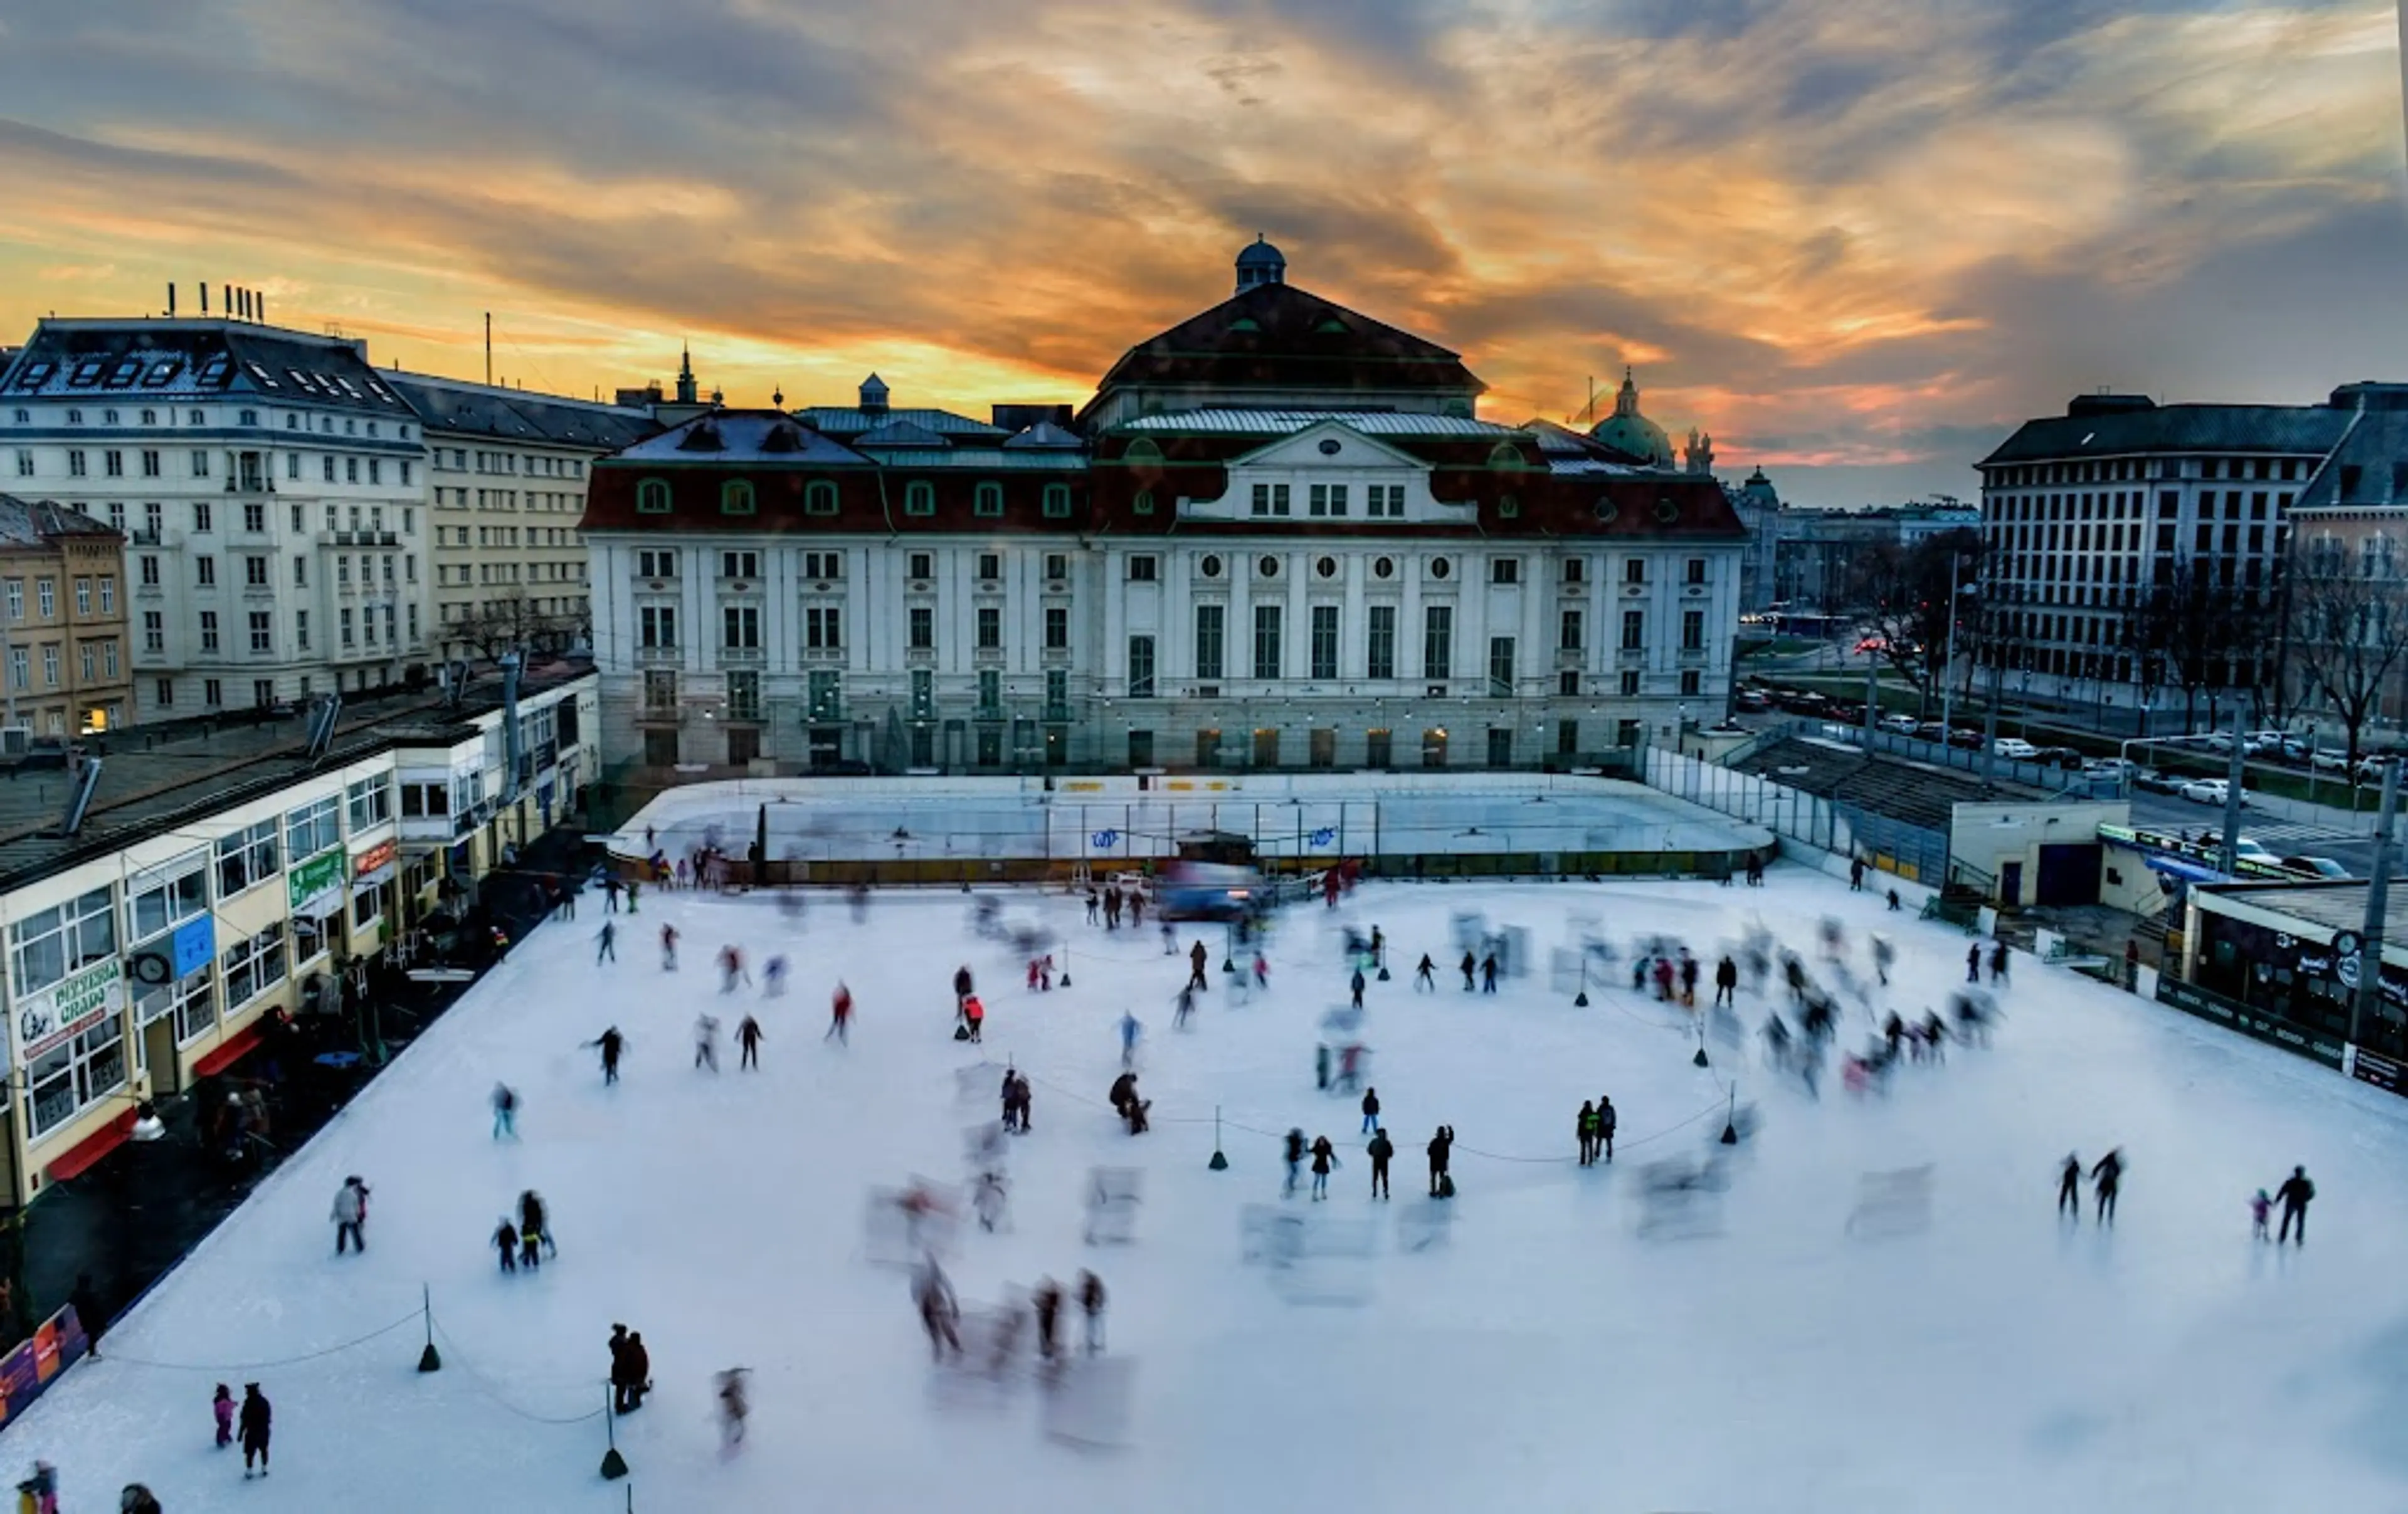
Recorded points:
(1544, 1357)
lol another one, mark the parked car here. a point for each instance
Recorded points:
(2211, 791)
(2066, 758)
(2249, 848)
(1872, 644)
(1754, 701)
(1969, 740)
(1898, 725)
(2322, 867)
(2149, 780)
(2017, 748)
(1931, 731)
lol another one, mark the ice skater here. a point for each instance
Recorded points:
(504, 1239)
(1355, 986)
(2295, 1193)
(973, 1020)
(732, 1406)
(534, 1225)
(1488, 973)
(668, 948)
(2069, 1186)
(2107, 1178)
(1184, 1006)
(1470, 965)
(1973, 962)
(2001, 956)
(1586, 1128)
(1292, 1153)
(506, 1111)
(1130, 1031)
(350, 1216)
(1441, 1145)
(1606, 1120)
(1370, 1110)
(962, 986)
(1884, 956)
(1425, 976)
(988, 1201)
(610, 895)
(841, 1016)
(1047, 1303)
(2260, 1208)
(222, 1410)
(607, 949)
(731, 969)
(138, 1499)
(1197, 958)
(706, 1042)
(1262, 971)
(773, 979)
(748, 1041)
(258, 1417)
(1091, 1304)
(1325, 1157)
(611, 1043)
(939, 1313)
(1727, 982)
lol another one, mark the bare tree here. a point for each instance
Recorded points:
(511, 623)
(1904, 595)
(2348, 634)
(2190, 631)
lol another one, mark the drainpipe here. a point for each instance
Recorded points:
(511, 728)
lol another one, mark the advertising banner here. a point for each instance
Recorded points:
(25, 1371)
(312, 880)
(69, 1006)
(2314, 1045)
(195, 946)
(2384, 1072)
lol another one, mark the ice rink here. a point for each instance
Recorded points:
(1564, 1343)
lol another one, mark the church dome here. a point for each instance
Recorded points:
(1260, 263)
(1626, 431)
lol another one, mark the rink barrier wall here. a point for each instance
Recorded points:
(2317, 1046)
(1722, 866)
(34, 1363)
(1912, 853)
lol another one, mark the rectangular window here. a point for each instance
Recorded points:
(158, 901)
(1567, 685)
(76, 468)
(1634, 570)
(1697, 572)
(1271, 499)
(1057, 502)
(1572, 639)
(1631, 684)
(1058, 568)
(748, 565)
(343, 623)
(209, 631)
(824, 628)
(212, 692)
(200, 465)
(21, 668)
(83, 597)
(1057, 628)
(990, 628)
(16, 590)
(1692, 630)
(1505, 570)
(1634, 630)
(1438, 642)
(740, 627)
(249, 968)
(823, 694)
(1141, 667)
(990, 568)
(1145, 569)
(1575, 570)
(205, 572)
(1267, 641)
(313, 828)
(662, 564)
(48, 945)
(924, 628)
(1693, 684)
(1500, 668)
(1209, 622)
(655, 626)
(154, 631)
(368, 802)
(825, 567)
(921, 565)
(924, 702)
(254, 572)
(46, 597)
(247, 858)
(262, 635)
(990, 692)
(1380, 642)
(744, 696)
(1325, 641)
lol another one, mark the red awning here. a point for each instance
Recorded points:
(226, 1052)
(79, 1157)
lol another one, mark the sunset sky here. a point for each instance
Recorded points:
(1855, 239)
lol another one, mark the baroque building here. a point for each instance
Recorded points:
(1278, 536)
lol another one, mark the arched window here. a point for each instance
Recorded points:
(1503, 456)
(989, 499)
(1057, 502)
(736, 497)
(819, 497)
(653, 497)
(1144, 452)
(920, 497)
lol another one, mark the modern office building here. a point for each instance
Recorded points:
(1277, 536)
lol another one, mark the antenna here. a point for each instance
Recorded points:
(171, 299)
(489, 348)
(205, 296)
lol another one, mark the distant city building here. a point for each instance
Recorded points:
(1817, 553)
(61, 624)
(2349, 552)
(1277, 536)
(2090, 516)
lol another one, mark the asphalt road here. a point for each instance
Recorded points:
(2304, 832)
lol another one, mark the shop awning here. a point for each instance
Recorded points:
(80, 1158)
(226, 1052)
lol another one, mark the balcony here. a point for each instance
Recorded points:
(364, 538)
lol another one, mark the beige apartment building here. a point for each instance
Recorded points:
(506, 488)
(64, 671)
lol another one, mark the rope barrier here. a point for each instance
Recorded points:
(115, 1355)
(487, 1386)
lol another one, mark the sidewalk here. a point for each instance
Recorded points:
(142, 1208)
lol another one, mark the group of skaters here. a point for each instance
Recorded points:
(525, 1241)
(1320, 1156)
(1478, 972)
(2107, 1180)
(1111, 901)
(940, 1316)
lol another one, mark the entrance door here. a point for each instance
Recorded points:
(2068, 874)
(2011, 884)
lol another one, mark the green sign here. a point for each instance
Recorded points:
(2315, 1045)
(319, 875)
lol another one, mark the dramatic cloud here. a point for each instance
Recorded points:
(1854, 242)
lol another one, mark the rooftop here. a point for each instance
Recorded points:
(2270, 428)
(27, 523)
(154, 778)
(1240, 422)
(2330, 907)
(457, 405)
(183, 360)
(724, 437)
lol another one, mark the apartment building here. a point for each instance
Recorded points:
(64, 669)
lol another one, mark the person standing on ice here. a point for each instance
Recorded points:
(962, 986)
(2261, 1208)
(1091, 1304)
(1440, 1146)
(988, 1201)
(1606, 1120)
(748, 1040)
(668, 948)
(1370, 1110)
(506, 1111)
(1488, 973)
(2295, 1193)
(1184, 1007)
(1973, 962)
(1292, 1153)
(258, 1417)
(532, 1223)
(39, 1494)
(1130, 1030)
(2108, 1176)
(504, 1239)
(621, 1382)
(1425, 978)
(974, 1019)
(937, 1310)
(1727, 982)
(1586, 1128)
(1047, 1302)
(607, 950)
(611, 1043)
(840, 1015)
(1197, 958)
(2001, 956)
(222, 1410)
(2069, 1186)
(1325, 1157)
(731, 968)
(610, 895)
(706, 1042)
(351, 1215)
(1382, 1151)
(1470, 965)
(1856, 875)
(1884, 954)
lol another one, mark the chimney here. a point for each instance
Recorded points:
(259, 308)
(171, 299)
(246, 304)
(205, 298)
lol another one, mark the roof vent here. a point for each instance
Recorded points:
(702, 436)
(783, 437)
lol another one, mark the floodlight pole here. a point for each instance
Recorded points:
(2368, 1000)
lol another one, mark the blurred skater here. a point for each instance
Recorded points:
(706, 1042)
(1973, 962)
(773, 977)
(2107, 1178)
(2260, 1208)
(1470, 965)
(1130, 1031)
(841, 1016)
(939, 1311)
(506, 1111)
(504, 1239)
(668, 948)
(534, 1225)
(608, 948)
(611, 1044)
(974, 1020)
(2068, 1187)
(1425, 975)
(1293, 1153)
(961, 989)
(748, 1041)
(1047, 1303)
(731, 969)
(732, 1406)
(1185, 1006)
(1091, 1304)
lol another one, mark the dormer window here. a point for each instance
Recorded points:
(653, 497)
(736, 497)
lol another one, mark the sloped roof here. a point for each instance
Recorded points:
(846, 422)
(901, 433)
(724, 437)
(1045, 435)
(2273, 429)
(29, 523)
(181, 360)
(1240, 422)
(2369, 467)
(1280, 337)
(451, 404)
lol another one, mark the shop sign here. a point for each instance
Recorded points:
(2386, 1073)
(2314, 1045)
(380, 855)
(194, 945)
(73, 1004)
(320, 874)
